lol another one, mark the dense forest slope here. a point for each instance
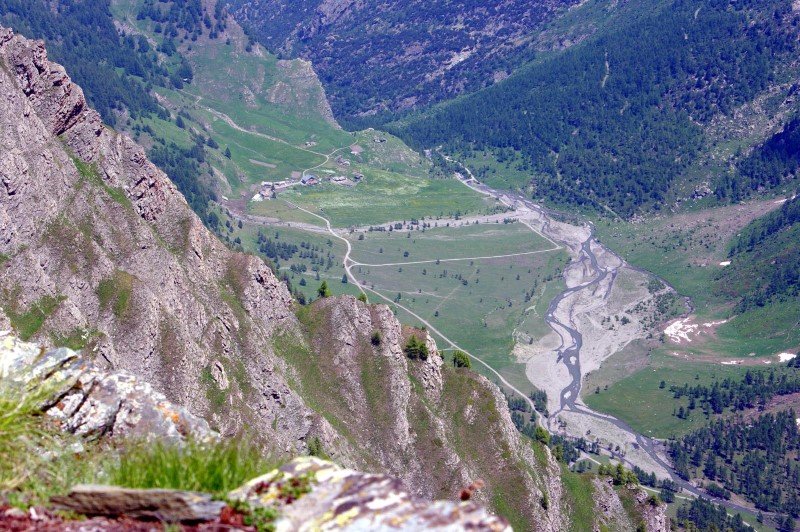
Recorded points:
(618, 121)
(377, 57)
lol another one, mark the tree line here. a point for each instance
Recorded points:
(755, 389)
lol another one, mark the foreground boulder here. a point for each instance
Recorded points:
(91, 402)
(170, 506)
(312, 494)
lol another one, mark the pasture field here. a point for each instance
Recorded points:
(385, 196)
(281, 210)
(455, 242)
(481, 305)
(283, 159)
(484, 316)
(639, 400)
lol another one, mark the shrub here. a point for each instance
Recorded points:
(461, 360)
(542, 435)
(323, 290)
(315, 448)
(416, 349)
(376, 338)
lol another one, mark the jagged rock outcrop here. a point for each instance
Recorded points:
(654, 515)
(101, 251)
(343, 499)
(610, 514)
(436, 428)
(93, 403)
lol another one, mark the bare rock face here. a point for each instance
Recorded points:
(332, 498)
(91, 402)
(653, 515)
(436, 428)
(609, 512)
(100, 250)
(611, 515)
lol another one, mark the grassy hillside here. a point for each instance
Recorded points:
(738, 265)
(691, 252)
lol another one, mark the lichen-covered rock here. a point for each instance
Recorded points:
(312, 494)
(91, 402)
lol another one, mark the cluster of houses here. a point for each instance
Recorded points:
(268, 189)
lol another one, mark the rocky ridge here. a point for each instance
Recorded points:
(103, 253)
(610, 513)
(435, 427)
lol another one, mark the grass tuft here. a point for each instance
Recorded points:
(37, 460)
(29, 322)
(215, 468)
(116, 292)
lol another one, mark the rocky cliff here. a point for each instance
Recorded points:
(101, 252)
(437, 428)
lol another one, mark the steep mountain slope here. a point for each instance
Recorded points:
(100, 248)
(626, 120)
(82, 35)
(99, 251)
(376, 57)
